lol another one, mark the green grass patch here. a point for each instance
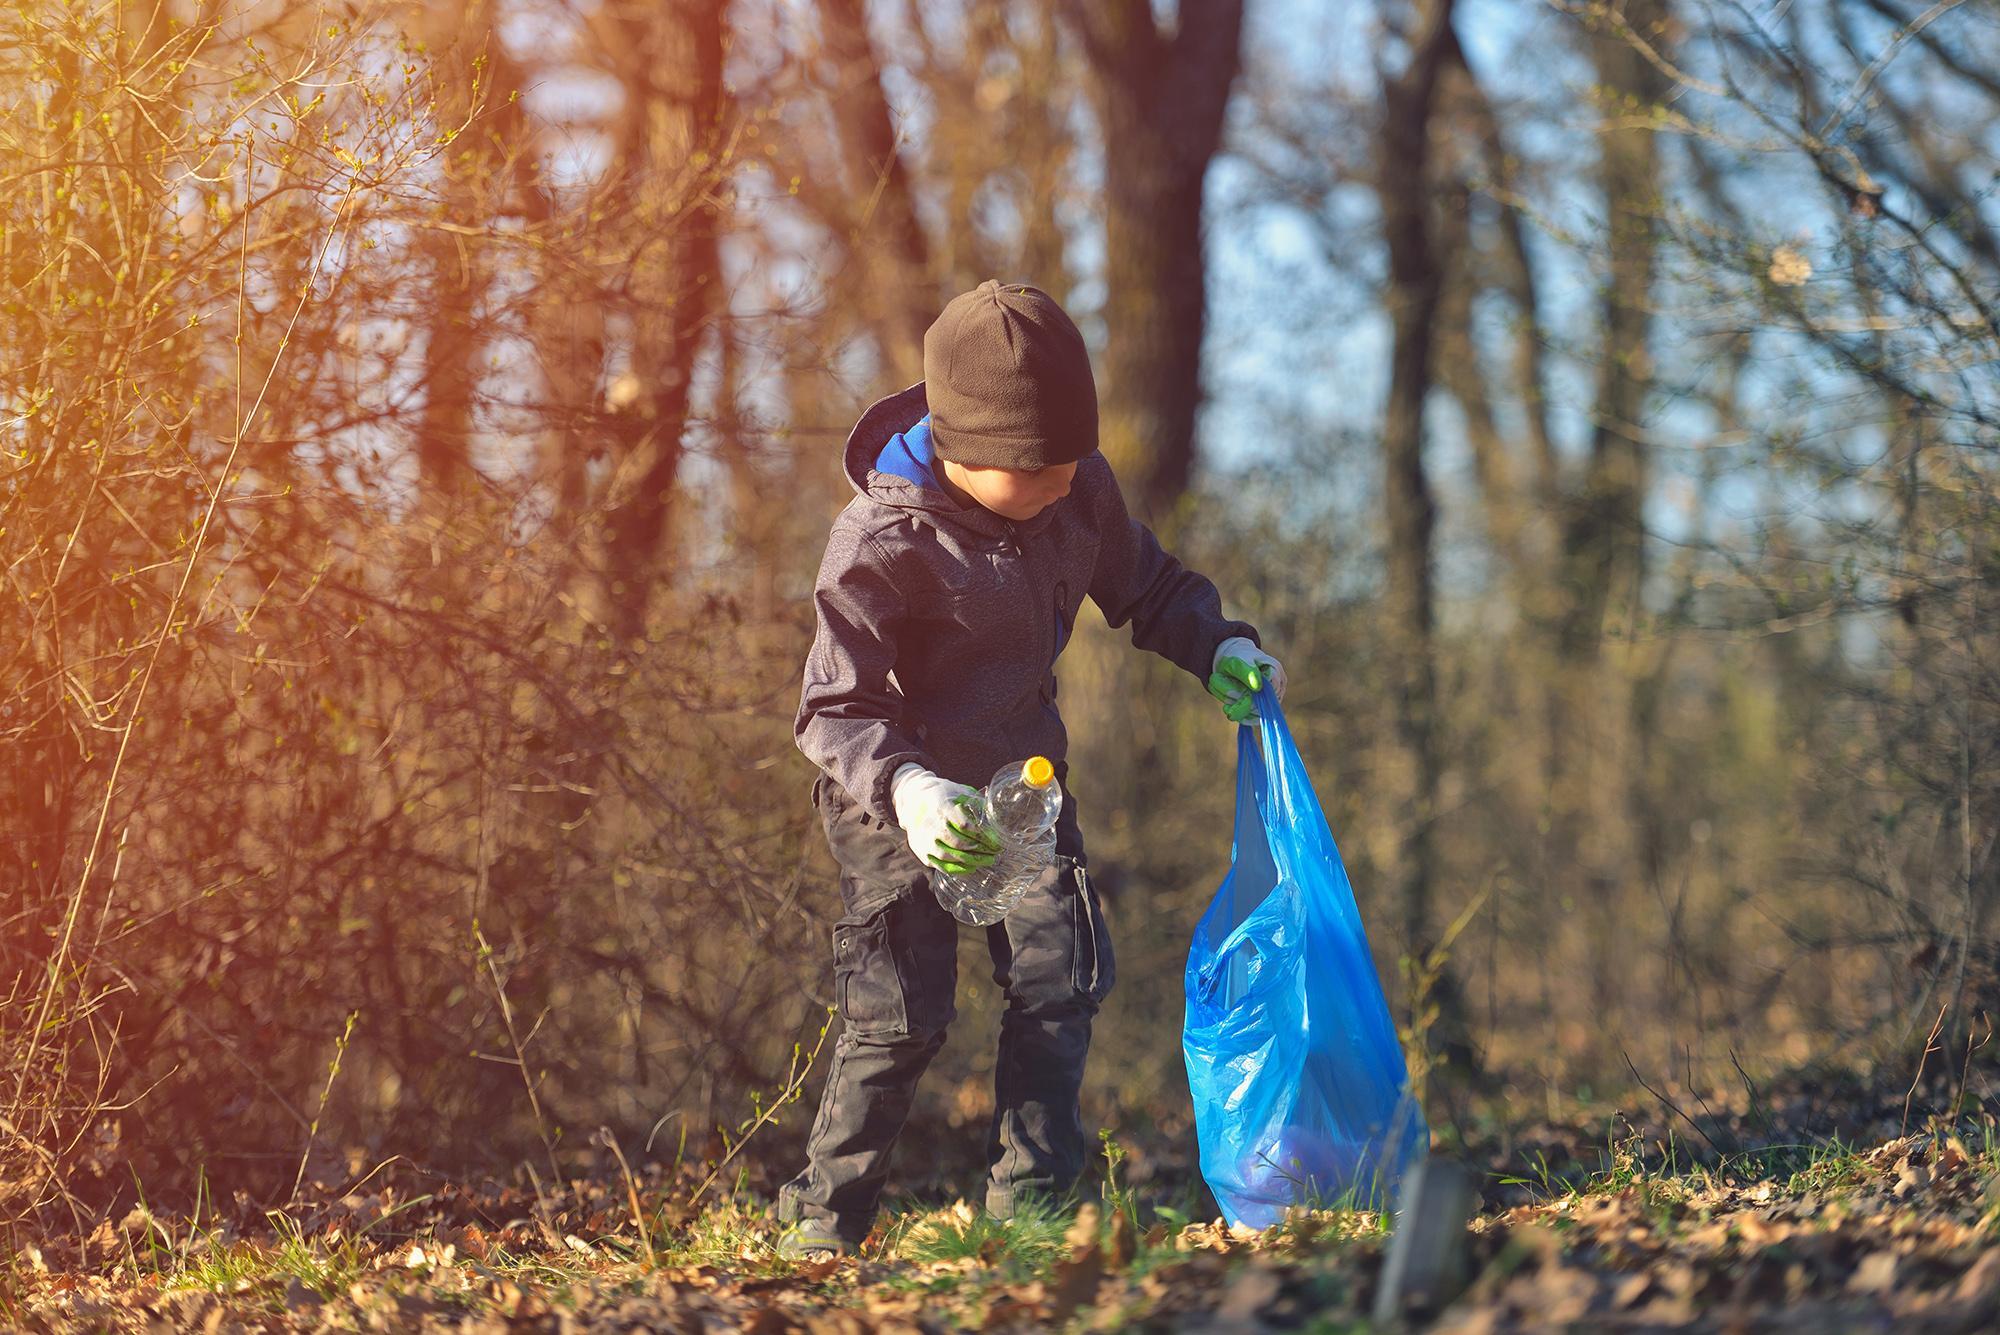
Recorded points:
(730, 1234)
(1029, 1243)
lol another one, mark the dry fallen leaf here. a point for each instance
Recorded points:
(1563, 1294)
(1075, 1280)
(1981, 1282)
(812, 1272)
(1875, 1274)
(1123, 1243)
(1010, 1311)
(1630, 1290)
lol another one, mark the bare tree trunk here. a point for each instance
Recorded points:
(1539, 487)
(569, 346)
(1160, 99)
(754, 520)
(1602, 539)
(1405, 181)
(454, 272)
(885, 232)
(1044, 149)
(1601, 564)
(444, 432)
(487, 170)
(672, 155)
(1493, 467)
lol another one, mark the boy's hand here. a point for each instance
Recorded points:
(940, 820)
(1241, 668)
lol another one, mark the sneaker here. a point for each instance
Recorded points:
(812, 1240)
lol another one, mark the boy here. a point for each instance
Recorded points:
(984, 516)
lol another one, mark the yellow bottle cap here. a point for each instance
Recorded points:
(1039, 772)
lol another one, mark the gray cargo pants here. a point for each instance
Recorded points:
(895, 966)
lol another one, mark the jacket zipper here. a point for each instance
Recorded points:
(1057, 643)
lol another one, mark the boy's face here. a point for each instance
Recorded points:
(1014, 493)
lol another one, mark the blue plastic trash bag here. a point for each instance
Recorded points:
(1301, 1097)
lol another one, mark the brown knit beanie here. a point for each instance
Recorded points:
(1008, 380)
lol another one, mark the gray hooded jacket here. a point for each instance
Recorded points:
(939, 626)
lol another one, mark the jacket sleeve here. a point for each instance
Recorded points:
(1174, 612)
(851, 718)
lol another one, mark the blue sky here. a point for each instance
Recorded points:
(1298, 341)
(1298, 335)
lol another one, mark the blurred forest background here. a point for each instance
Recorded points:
(419, 423)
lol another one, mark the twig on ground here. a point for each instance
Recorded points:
(520, 1049)
(1930, 1046)
(312, 1132)
(1965, 1071)
(1669, 1104)
(610, 1141)
(794, 1086)
(1758, 1111)
(1687, 1059)
(543, 1215)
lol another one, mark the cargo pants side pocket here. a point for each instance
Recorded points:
(1094, 963)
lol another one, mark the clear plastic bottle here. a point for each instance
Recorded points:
(1021, 805)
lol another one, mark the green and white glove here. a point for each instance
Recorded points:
(1240, 669)
(940, 819)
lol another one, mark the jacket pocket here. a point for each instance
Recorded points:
(1094, 965)
(961, 586)
(868, 977)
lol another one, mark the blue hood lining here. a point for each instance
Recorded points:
(909, 455)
